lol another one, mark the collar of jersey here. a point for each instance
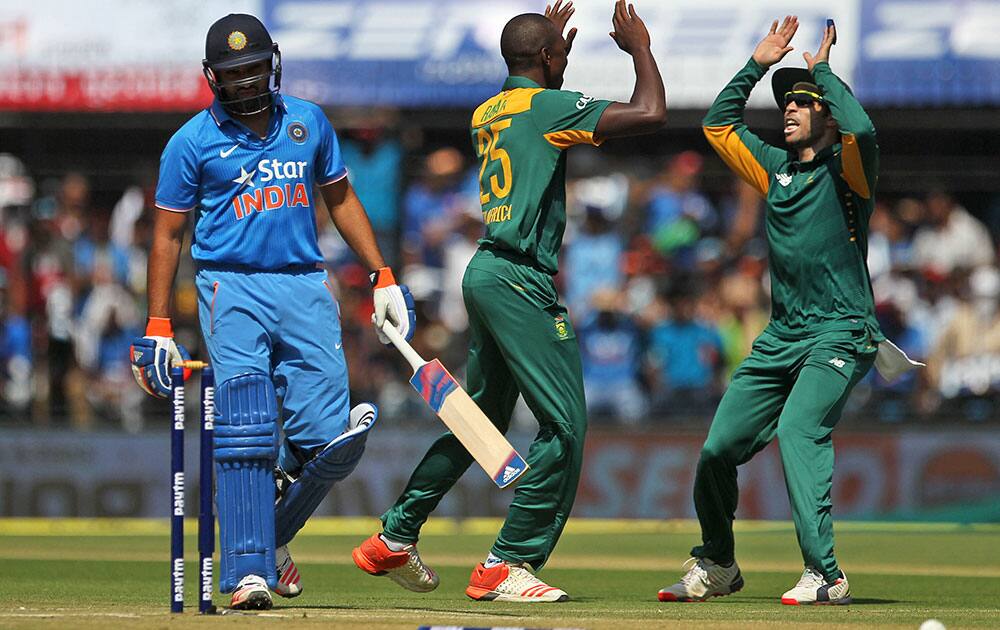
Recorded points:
(817, 160)
(519, 82)
(227, 122)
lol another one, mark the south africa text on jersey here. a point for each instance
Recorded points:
(270, 197)
(497, 214)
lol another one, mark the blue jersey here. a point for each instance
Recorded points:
(253, 196)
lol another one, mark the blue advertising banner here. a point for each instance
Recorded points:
(930, 53)
(395, 52)
(446, 52)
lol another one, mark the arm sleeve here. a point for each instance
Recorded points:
(860, 149)
(746, 154)
(180, 174)
(567, 118)
(330, 165)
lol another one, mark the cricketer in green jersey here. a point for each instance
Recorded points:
(521, 339)
(822, 337)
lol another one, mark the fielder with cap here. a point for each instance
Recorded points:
(246, 168)
(822, 337)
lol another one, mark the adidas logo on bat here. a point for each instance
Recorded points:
(509, 473)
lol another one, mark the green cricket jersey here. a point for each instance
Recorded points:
(817, 211)
(520, 136)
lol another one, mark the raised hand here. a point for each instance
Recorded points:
(774, 46)
(823, 54)
(630, 31)
(559, 15)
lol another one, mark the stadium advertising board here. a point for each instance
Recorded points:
(145, 56)
(111, 55)
(650, 475)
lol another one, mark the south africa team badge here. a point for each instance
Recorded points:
(297, 132)
(562, 328)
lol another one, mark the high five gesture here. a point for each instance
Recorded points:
(630, 31)
(559, 14)
(774, 46)
(823, 54)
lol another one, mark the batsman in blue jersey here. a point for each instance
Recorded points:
(247, 168)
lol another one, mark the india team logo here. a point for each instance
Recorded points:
(297, 132)
(237, 40)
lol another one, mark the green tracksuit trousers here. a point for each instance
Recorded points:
(793, 390)
(521, 343)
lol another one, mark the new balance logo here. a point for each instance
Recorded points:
(509, 473)
(838, 363)
(783, 178)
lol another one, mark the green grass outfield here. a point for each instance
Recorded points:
(93, 574)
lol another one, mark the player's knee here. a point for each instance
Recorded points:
(714, 453)
(571, 438)
(789, 433)
(246, 426)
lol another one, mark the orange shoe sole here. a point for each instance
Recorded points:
(363, 563)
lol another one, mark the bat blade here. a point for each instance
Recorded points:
(468, 423)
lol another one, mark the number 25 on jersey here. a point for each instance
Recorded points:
(486, 141)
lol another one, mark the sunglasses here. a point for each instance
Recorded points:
(802, 99)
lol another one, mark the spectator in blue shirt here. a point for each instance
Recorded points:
(375, 162)
(592, 261)
(433, 204)
(610, 349)
(15, 357)
(678, 213)
(686, 354)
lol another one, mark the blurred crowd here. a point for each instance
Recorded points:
(666, 283)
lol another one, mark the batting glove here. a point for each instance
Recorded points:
(153, 355)
(393, 302)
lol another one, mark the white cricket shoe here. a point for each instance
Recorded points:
(814, 589)
(703, 580)
(289, 580)
(251, 594)
(506, 582)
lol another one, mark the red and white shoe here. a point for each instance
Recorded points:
(251, 594)
(507, 582)
(704, 579)
(289, 580)
(814, 589)
(404, 567)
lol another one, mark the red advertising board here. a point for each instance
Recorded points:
(109, 89)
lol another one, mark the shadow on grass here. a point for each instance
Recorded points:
(412, 609)
(861, 601)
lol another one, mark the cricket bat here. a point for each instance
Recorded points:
(461, 414)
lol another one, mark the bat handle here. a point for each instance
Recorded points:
(405, 349)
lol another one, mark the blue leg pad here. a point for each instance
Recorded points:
(246, 445)
(333, 463)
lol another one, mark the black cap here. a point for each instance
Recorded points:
(787, 80)
(235, 40)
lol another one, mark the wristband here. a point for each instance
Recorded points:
(382, 278)
(159, 327)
